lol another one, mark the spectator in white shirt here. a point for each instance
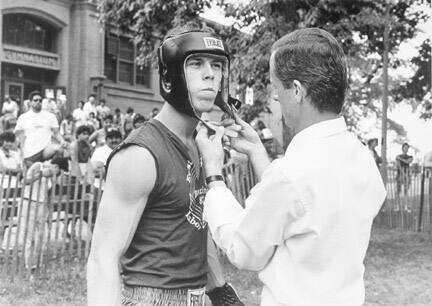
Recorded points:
(35, 130)
(10, 106)
(306, 225)
(113, 137)
(90, 105)
(79, 115)
(102, 109)
(10, 161)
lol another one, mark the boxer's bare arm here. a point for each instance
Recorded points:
(130, 179)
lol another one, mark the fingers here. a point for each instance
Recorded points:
(240, 121)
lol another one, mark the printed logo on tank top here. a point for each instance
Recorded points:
(196, 197)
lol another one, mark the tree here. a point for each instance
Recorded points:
(358, 25)
(417, 89)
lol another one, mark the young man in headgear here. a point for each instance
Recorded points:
(150, 216)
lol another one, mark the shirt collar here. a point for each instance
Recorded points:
(319, 130)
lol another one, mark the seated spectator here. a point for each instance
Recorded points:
(102, 110)
(67, 128)
(128, 121)
(101, 154)
(92, 123)
(50, 105)
(138, 121)
(99, 135)
(118, 118)
(10, 106)
(10, 160)
(79, 115)
(36, 130)
(7, 123)
(80, 152)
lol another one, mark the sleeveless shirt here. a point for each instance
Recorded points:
(169, 247)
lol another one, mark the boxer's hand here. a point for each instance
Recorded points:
(210, 147)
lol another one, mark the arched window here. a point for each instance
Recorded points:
(28, 31)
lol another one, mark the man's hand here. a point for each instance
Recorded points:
(247, 140)
(210, 147)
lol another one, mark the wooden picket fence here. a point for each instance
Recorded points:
(47, 220)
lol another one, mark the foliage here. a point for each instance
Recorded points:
(419, 86)
(147, 21)
(358, 25)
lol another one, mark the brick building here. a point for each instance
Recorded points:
(58, 47)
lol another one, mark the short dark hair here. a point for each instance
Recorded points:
(102, 101)
(34, 93)
(405, 144)
(113, 133)
(129, 110)
(82, 129)
(61, 162)
(7, 136)
(138, 118)
(109, 116)
(315, 58)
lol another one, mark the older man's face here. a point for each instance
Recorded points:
(285, 96)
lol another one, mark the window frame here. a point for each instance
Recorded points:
(113, 53)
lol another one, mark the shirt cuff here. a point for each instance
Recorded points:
(221, 207)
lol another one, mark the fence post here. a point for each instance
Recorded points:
(419, 224)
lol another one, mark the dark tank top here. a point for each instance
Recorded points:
(169, 247)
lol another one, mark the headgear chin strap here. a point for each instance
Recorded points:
(172, 54)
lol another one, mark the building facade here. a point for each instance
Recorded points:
(58, 47)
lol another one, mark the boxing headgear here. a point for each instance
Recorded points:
(172, 55)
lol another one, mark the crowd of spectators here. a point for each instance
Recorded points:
(41, 131)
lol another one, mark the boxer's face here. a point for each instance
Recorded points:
(203, 73)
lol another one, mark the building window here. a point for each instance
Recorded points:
(120, 66)
(27, 31)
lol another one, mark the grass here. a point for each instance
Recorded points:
(398, 272)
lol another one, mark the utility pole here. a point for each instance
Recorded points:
(385, 94)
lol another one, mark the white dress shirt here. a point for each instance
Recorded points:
(307, 224)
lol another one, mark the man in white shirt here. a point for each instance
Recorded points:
(10, 106)
(90, 105)
(306, 225)
(100, 155)
(102, 109)
(79, 116)
(35, 130)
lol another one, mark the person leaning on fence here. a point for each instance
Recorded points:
(306, 224)
(80, 152)
(150, 215)
(403, 173)
(10, 161)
